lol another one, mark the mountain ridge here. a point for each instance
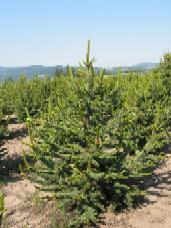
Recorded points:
(32, 70)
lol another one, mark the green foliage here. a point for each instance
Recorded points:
(165, 70)
(6, 97)
(35, 95)
(2, 209)
(165, 65)
(95, 145)
(94, 139)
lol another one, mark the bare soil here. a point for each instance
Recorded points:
(156, 210)
(25, 210)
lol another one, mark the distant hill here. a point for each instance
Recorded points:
(31, 71)
(145, 66)
(137, 67)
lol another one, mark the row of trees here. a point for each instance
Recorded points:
(94, 150)
(94, 140)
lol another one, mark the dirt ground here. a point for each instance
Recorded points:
(156, 211)
(24, 209)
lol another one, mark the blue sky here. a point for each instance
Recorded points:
(51, 32)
